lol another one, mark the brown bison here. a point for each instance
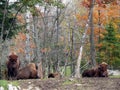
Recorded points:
(100, 71)
(28, 72)
(13, 65)
(54, 75)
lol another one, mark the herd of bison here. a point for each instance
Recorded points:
(14, 71)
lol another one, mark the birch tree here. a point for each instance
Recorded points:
(77, 70)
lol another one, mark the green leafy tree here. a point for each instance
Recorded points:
(110, 50)
(7, 20)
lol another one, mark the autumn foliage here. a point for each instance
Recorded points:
(101, 3)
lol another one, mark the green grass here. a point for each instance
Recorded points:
(68, 71)
(4, 83)
(67, 82)
(115, 76)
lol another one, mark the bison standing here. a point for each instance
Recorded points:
(13, 65)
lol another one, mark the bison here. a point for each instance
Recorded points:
(13, 65)
(54, 75)
(100, 71)
(28, 72)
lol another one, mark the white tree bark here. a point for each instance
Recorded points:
(27, 50)
(77, 70)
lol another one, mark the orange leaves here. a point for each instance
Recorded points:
(32, 45)
(107, 1)
(100, 3)
(99, 45)
(21, 50)
(20, 19)
(81, 17)
(84, 17)
(20, 43)
(78, 16)
(104, 1)
(22, 36)
(86, 3)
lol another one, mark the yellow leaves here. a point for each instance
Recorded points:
(78, 16)
(118, 36)
(101, 35)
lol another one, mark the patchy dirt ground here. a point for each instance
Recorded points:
(71, 84)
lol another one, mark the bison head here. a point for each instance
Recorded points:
(103, 66)
(103, 69)
(13, 60)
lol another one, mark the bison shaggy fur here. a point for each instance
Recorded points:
(100, 71)
(54, 75)
(28, 72)
(13, 65)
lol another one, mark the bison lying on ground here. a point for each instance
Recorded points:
(54, 75)
(13, 65)
(100, 71)
(28, 72)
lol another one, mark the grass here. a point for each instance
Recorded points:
(67, 82)
(68, 71)
(4, 83)
(115, 76)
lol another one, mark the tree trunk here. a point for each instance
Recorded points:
(37, 43)
(92, 46)
(57, 37)
(1, 39)
(27, 48)
(77, 69)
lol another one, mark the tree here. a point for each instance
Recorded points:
(112, 18)
(110, 46)
(90, 6)
(7, 20)
(7, 28)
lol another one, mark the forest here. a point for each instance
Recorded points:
(65, 36)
